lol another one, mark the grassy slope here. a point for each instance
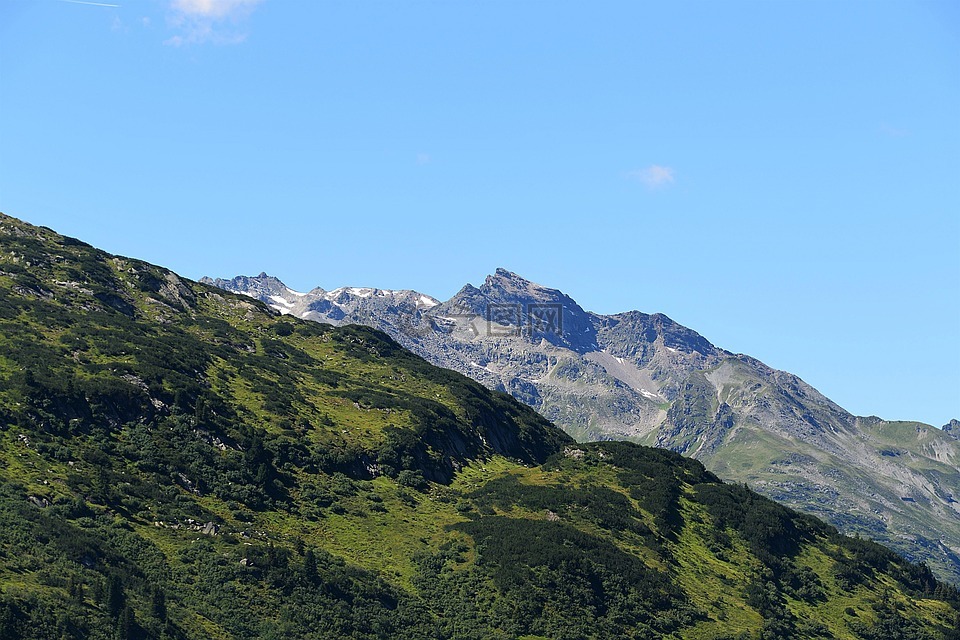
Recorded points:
(357, 491)
(866, 498)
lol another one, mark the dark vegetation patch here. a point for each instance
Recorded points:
(551, 579)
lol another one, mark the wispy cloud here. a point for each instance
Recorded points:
(92, 4)
(653, 177)
(215, 21)
(215, 8)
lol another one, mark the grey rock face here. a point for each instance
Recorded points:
(952, 428)
(646, 378)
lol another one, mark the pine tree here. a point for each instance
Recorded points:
(127, 624)
(115, 596)
(75, 589)
(158, 605)
(310, 565)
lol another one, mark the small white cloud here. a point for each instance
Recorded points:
(653, 177)
(217, 9)
(424, 158)
(216, 21)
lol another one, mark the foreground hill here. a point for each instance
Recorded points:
(644, 378)
(180, 462)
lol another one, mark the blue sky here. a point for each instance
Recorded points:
(783, 177)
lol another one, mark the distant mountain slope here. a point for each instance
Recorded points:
(645, 378)
(180, 462)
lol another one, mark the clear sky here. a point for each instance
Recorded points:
(782, 177)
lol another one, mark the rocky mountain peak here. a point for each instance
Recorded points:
(500, 272)
(508, 285)
(254, 286)
(537, 312)
(952, 428)
(505, 279)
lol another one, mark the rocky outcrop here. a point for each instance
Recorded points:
(952, 428)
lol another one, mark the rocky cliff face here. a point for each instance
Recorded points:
(640, 377)
(952, 428)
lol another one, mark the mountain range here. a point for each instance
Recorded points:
(645, 378)
(177, 461)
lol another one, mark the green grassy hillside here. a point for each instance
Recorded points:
(892, 482)
(179, 462)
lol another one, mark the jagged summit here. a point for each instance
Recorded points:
(334, 306)
(254, 286)
(509, 286)
(514, 306)
(505, 286)
(509, 281)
